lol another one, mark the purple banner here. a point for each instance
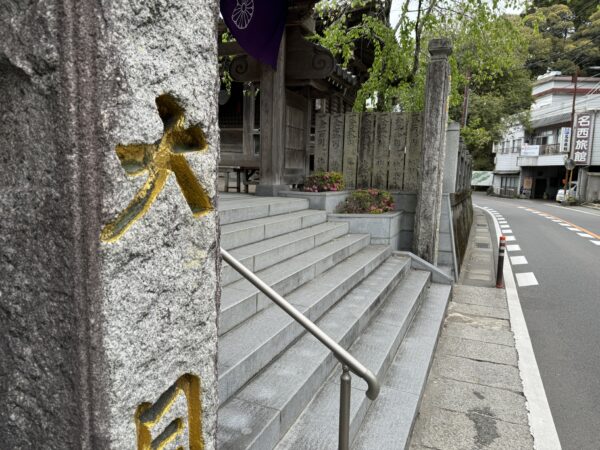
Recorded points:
(257, 25)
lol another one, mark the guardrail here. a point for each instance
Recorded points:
(349, 363)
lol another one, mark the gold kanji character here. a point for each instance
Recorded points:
(160, 160)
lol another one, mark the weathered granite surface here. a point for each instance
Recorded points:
(433, 153)
(91, 330)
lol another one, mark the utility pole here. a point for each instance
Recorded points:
(465, 106)
(569, 174)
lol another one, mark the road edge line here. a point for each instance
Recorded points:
(541, 423)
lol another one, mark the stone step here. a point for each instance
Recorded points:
(264, 409)
(390, 419)
(243, 233)
(263, 254)
(241, 300)
(249, 347)
(376, 347)
(241, 210)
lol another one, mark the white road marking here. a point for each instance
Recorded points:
(573, 229)
(503, 222)
(522, 207)
(507, 231)
(565, 224)
(526, 279)
(513, 248)
(518, 260)
(595, 242)
(585, 235)
(510, 238)
(505, 226)
(575, 210)
(557, 220)
(541, 423)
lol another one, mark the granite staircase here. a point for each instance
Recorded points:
(278, 385)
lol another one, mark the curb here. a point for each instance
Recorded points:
(541, 423)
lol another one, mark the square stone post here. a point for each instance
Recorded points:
(452, 162)
(429, 195)
(110, 249)
(272, 126)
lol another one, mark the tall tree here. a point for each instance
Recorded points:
(568, 39)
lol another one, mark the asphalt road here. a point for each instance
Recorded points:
(562, 310)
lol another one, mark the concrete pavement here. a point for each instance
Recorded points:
(474, 395)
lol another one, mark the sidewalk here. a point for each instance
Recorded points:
(474, 395)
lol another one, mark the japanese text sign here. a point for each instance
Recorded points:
(582, 139)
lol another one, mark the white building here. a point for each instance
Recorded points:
(532, 162)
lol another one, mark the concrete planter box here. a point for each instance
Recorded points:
(383, 228)
(325, 201)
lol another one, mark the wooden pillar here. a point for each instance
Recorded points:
(272, 126)
(307, 125)
(429, 195)
(249, 105)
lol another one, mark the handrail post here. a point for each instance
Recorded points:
(345, 391)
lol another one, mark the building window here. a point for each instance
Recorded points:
(517, 148)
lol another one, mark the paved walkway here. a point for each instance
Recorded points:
(474, 395)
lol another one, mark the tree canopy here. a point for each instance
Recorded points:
(496, 56)
(489, 53)
(567, 37)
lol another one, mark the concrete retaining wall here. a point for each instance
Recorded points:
(383, 228)
(324, 201)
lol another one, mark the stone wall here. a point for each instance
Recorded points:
(462, 220)
(95, 331)
(372, 149)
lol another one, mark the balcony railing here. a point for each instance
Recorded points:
(550, 149)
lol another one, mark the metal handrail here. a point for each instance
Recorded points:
(349, 362)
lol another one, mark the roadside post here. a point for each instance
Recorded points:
(500, 272)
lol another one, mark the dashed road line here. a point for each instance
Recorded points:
(585, 235)
(570, 226)
(526, 279)
(518, 260)
(513, 248)
(510, 238)
(575, 210)
(595, 242)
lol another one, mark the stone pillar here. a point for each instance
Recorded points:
(272, 126)
(109, 289)
(429, 196)
(451, 167)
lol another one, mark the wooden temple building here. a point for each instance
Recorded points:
(267, 118)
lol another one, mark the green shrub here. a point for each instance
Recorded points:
(368, 201)
(324, 182)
